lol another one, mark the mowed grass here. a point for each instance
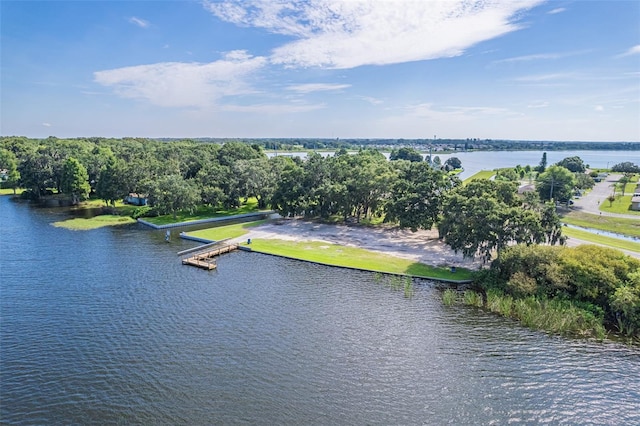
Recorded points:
(624, 226)
(81, 224)
(356, 258)
(601, 239)
(622, 205)
(9, 191)
(483, 174)
(223, 232)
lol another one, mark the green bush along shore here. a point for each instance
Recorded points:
(582, 291)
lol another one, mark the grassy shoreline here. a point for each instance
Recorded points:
(555, 316)
(334, 255)
(601, 239)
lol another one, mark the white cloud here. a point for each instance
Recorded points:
(139, 22)
(317, 87)
(372, 100)
(348, 34)
(175, 84)
(539, 78)
(541, 56)
(635, 50)
(556, 11)
(599, 108)
(538, 105)
(273, 108)
(46, 124)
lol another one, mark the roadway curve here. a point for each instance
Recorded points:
(590, 203)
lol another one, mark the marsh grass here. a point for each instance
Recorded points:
(472, 298)
(408, 287)
(555, 316)
(449, 297)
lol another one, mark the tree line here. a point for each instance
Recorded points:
(475, 219)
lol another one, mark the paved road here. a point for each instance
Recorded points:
(590, 203)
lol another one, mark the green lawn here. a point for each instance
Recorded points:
(81, 224)
(483, 174)
(600, 239)
(9, 191)
(223, 232)
(351, 257)
(204, 212)
(622, 205)
(618, 225)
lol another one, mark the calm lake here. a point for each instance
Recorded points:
(107, 326)
(476, 161)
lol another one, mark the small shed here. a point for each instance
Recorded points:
(136, 199)
(635, 203)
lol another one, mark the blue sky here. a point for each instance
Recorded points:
(528, 70)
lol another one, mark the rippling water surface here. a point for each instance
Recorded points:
(107, 326)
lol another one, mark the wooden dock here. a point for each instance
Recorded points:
(206, 260)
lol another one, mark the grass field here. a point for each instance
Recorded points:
(81, 224)
(9, 191)
(630, 227)
(352, 257)
(222, 232)
(483, 174)
(601, 239)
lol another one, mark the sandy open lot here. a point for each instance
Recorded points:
(421, 246)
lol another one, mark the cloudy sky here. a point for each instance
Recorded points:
(527, 69)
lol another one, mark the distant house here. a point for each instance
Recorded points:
(635, 202)
(136, 199)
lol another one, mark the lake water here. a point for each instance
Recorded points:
(107, 327)
(473, 162)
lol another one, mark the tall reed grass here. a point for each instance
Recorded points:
(555, 316)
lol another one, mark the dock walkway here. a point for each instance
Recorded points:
(206, 259)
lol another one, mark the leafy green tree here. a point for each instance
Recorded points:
(626, 167)
(111, 185)
(289, 196)
(75, 180)
(573, 164)
(417, 196)
(584, 181)
(486, 216)
(405, 153)
(453, 163)
(622, 183)
(368, 182)
(9, 162)
(212, 179)
(171, 194)
(543, 163)
(36, 173)
(556, 183)
(507, 174)
(255, 179)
